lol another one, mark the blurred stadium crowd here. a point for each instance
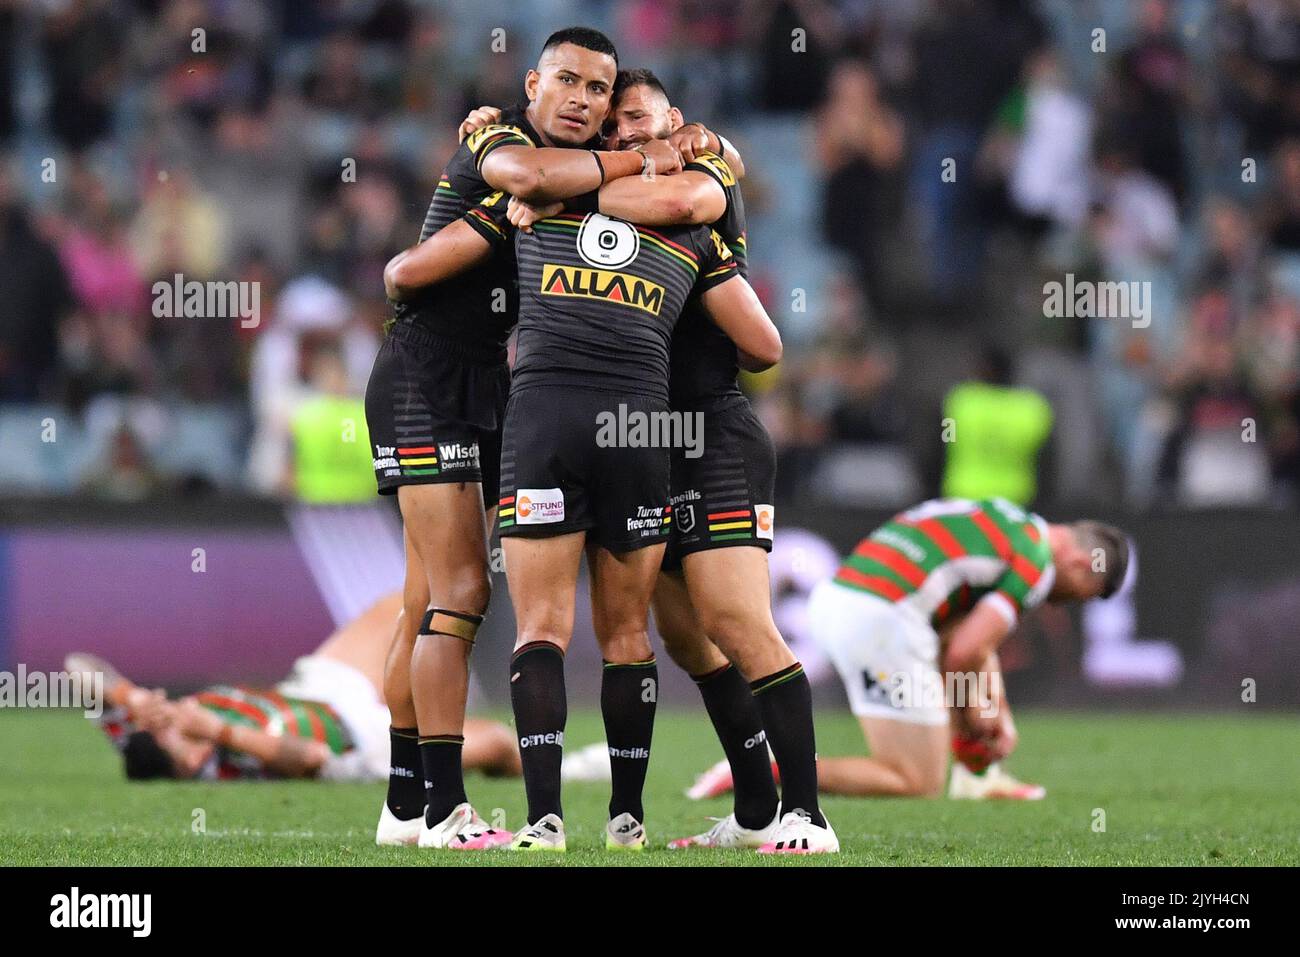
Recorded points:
(1163, 150)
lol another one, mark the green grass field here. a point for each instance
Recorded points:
(1194, 790)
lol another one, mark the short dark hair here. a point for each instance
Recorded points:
(1114, 553)
(627, 79)
(145, 759)
(584, 37)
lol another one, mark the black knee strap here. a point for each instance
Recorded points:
(454, 624)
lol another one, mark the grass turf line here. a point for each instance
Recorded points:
(1176, 789)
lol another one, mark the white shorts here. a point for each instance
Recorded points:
(359, 707)
(887, 658)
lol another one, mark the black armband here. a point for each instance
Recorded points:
(588, 202)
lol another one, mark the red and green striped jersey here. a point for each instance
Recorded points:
(942, 557)
(275, 713)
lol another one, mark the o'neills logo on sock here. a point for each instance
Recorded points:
(536, 740)
(632, 753)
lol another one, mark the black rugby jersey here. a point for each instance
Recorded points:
(598, 299)
(704, 359)
(477, 308)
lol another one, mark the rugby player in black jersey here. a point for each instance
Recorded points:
(585, 468)
(434, 408)
(712, 604)
(599, 298)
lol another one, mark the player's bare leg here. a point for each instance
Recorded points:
(731, 593)
(543, 575)
(731, 707)
(405, 802)
(907, 760)
(446, 526)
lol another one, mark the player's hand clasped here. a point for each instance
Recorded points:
(693, 138)
(477, 119)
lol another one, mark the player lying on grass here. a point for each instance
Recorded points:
(326, 720)
(913, 620)
(712, 601)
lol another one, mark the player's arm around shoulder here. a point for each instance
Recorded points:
(736, 310)
(691, 198)
(456, 247)
(545, 174)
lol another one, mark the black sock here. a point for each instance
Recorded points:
(734, 713)
(785, 701)
(405, 774)
(444, 779)
(628, 695)
(541, 709)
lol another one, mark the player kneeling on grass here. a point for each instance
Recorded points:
(326, 720)
(913, 620)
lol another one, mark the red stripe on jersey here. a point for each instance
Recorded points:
(1032, 531)
(933, 529)
(874, 582)
(317, 726)
(508, 500)
(664, 239)
(715, 516)
(286, 713)
(233, 704)
(1001, 544)
(894, 560)
(422, 450)
(1026, 569)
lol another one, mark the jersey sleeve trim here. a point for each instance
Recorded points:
(715, 166)
(1003, 604)
(483, 142)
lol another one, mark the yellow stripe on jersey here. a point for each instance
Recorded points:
(694, 266)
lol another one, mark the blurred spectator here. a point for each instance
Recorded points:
(1150, 93)
(1209, 458)
(1232, 257)
(859, 147)
(36, 297)
(179, 229)
(331, 448)
(82, 43)
(968, 57)
(1258, 47)
(308, 310)
(997, 431)
(125, 475)
(1047, 170)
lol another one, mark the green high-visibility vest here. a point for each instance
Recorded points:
(996, 433)
(331, 461)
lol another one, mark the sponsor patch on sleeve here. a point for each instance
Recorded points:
(764, 521)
